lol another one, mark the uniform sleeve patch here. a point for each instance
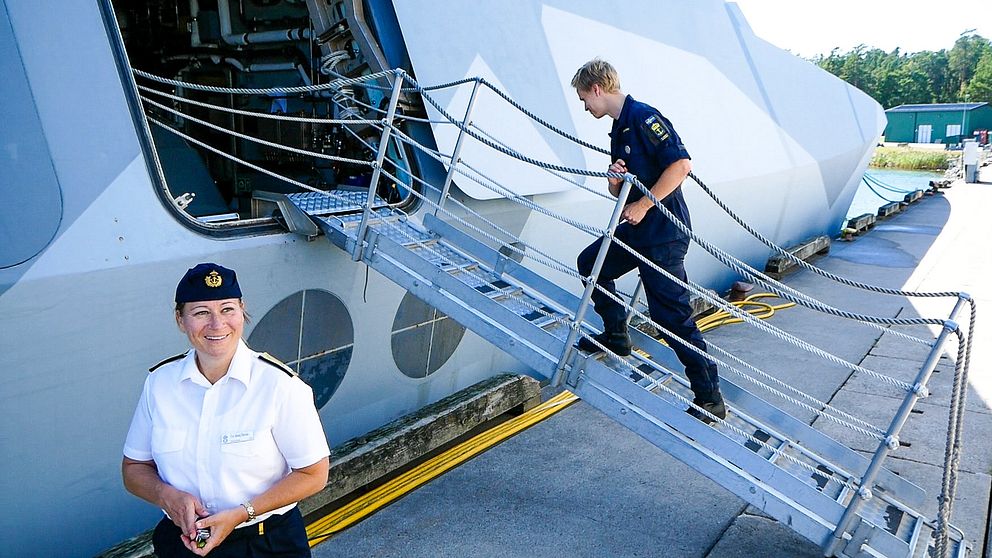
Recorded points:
(277, 363)
(655, 129)
(167, 361)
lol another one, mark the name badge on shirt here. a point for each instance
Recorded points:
(237, 437)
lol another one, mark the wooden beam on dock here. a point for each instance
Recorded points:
(889, 209)
(914, 196)
(779, 265)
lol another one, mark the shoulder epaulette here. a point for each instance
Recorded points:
(167, 361)
(277, 363)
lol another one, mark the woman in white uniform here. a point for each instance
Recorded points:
(225, 440)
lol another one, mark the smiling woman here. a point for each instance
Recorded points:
(214, 328)
(225, 440)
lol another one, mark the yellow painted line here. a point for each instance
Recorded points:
(367, 504)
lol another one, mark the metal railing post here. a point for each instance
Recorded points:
(376, 169)
(633, 300)
(959, 394)
(455, 155)
(891, 441)
(604, 247)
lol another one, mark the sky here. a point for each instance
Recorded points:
(811, 27)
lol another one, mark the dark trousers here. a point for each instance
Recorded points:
(283, 536)
(668, 303)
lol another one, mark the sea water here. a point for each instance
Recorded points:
(895, 185)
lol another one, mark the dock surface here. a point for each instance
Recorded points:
(580, 485)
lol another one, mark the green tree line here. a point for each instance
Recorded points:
(963, 73)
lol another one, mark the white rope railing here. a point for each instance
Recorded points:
(561, 267)
(562, 172)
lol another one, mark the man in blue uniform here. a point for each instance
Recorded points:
(644, 143)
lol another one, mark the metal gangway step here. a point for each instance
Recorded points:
(848, 504)
(770, 459)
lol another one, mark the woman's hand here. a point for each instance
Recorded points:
(141, 479)
(220, 524)
(295, 486)
(183, 508)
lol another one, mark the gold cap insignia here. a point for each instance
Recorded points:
(213, 279)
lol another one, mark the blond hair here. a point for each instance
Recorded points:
(596, 72)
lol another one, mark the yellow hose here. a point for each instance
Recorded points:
(370, 502)
(761, 310)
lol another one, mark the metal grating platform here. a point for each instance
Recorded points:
(342, 201)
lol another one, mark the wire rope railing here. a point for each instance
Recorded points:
(561, 267)
(388, 127)
(750, 437)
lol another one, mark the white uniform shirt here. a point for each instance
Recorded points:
(228, 442)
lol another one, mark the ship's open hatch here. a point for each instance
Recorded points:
(258, 44)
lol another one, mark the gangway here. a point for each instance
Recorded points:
(848, 504)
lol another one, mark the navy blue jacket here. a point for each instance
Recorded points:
(648, 143)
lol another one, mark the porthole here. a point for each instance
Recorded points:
(423, 338)
(311, 331)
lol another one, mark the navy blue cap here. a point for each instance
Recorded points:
(208, 281)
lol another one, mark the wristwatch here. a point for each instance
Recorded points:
(250, 509)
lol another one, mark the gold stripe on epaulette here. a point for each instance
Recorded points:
(167, 361)
(277, 363)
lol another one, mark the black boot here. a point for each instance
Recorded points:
(616, 341)
(716, 408)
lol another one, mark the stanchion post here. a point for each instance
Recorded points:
(580, 312)
(891, 441)
(456, 154)
(377, 168)
(633, 300)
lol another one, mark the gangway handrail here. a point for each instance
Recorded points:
(699, 291)
(948, 325)
(336, 84)
(695, 289)
(499, 92)
(709, 192)
(559, 266)
(800, 297)
(916, 391)
(775, 331)
(647, 319)
(341, 81)
(726, 209)
(962, 363)
(417, 87)
(751, 273)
